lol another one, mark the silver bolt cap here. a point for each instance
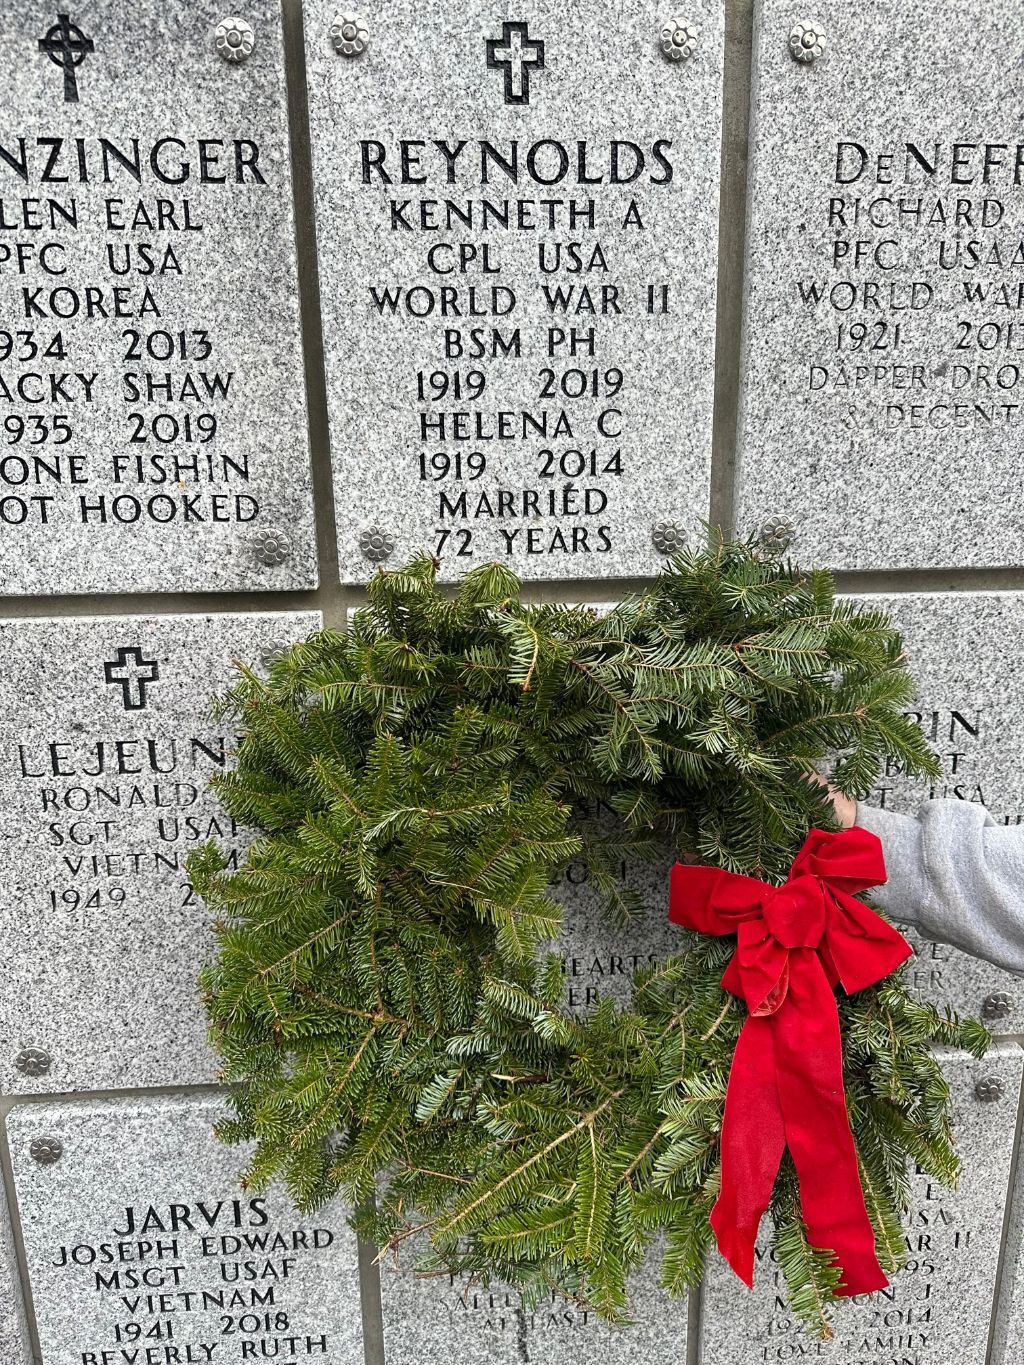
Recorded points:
(33, 1061)
(776, 534)
(998, 1005)
(46, 1150)
(807, 42)
(349, 34)
(234, 39)
(679, 39)
(376, 544)
(271, 546)
(272, 651)
(668, 537)
(989, 1089)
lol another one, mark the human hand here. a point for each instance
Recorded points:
(845, 806)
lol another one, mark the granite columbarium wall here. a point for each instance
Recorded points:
(290, 291)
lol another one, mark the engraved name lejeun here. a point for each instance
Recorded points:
(105, 793)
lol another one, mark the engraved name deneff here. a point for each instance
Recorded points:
(922, 253)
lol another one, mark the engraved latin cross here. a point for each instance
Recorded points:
(134, 673)
(513, 54)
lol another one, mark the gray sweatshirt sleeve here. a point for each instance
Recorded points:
(956, 875)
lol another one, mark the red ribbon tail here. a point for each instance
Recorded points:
(753, 1141)
(809, 1069)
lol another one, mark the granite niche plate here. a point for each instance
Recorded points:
(1008, 1329)
(14, 1341)
(963, 650)
(153, 430)
(139, 1239)
(107, 748)
(883, 385)
(432, 1321)
(939, 1309)
(428, 1319)
(517, 217)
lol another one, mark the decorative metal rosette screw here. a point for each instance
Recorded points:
(376, 544)
(807, 42)
(234, 39)
(349, 34)
(668, 537)
(998, 1005)
(989, 1089)
(271, 546)
(33, 1061)
(46, 1150)
(272, 651)
(776, 535)
(679, 39)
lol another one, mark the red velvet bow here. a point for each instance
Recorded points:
(796, 942)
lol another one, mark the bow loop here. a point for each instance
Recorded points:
(794, 944)
(850, 861)
(710, 900)
(863, 947)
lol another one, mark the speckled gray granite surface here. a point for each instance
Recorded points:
(14, 1341)
(1008, 1327)
(152, 400)
(882, 339)
(938, 1310)
(1008, 1324)
(434, 1321)
(139, 1239)
(577, 444)
(964, 649)
(101, 801)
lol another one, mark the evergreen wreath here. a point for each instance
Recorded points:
(388, 1016)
